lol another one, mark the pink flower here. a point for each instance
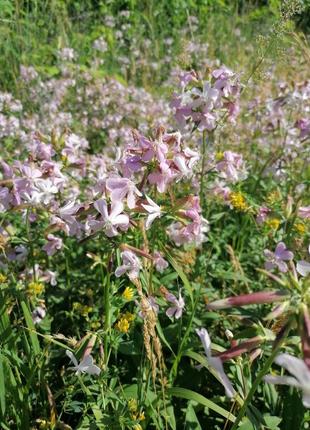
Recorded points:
(154, 212)
(5, 199)
(53, 245)
(131, 265)
(161, 178)
(232, 167)
(277, 258)
(122, 187)
(215, 363)
(178, 305)
(160, 263)
(262, 215)
(110, 222)
(304, 126)
(67, 220)
(187, 77)
(185, 162)
(304, 212)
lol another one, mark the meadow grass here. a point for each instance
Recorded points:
(131, 231)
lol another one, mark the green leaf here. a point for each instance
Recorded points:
(246, 425)
(163, 338)
(184, 393)
(171, 417)
(2, 386)
(191, 420)
(182, 275)
(272, 422)
(32, 334)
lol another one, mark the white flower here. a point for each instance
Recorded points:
(215, 362)
(176, 310)
(46, 190)
(303, 267)
(114, 219)
(86, 365)
(300, 378)
(131, 265)
(38, 314)
(154, 212)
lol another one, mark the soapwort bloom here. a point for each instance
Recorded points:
(153, 210)
(278, 258)
(215, 363)
(86, 365)
(160, 263)
(113, 220)
(300, 375)
(121, 188)
(176, 310)
(131, 265)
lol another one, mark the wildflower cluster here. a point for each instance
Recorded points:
(179, 221)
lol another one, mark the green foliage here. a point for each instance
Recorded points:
(37, 390)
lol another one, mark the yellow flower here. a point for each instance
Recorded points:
(129, 317)
(273, 197)
(141, 416)
(3, 278)
(300, 228)
(238, 202)
(128, 293)
(64, 159)
(273, 223)
(95, 325)
(137, 427)
(219, 156)
(122, 325)
(132, 405)
(84, 310)
(35, 288)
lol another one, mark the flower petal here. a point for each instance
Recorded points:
(72, 358)
(282, 380)
(295, 366)
(303, 267)
(205, 339)
(217, 364)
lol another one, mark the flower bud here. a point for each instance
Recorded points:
(249, 299)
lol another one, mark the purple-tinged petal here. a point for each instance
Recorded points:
(101, 207)
(249, 299)
(240, 349)
(269, 265)
(303, 267)
(295, 366)
(282, 266)
(171, 311)
(216, 363)
(205, 340)
(282, 380)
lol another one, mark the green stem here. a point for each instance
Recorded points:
(259, 377)
(203, 157)
(30, 242)
(174, 369)
(107, 328)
